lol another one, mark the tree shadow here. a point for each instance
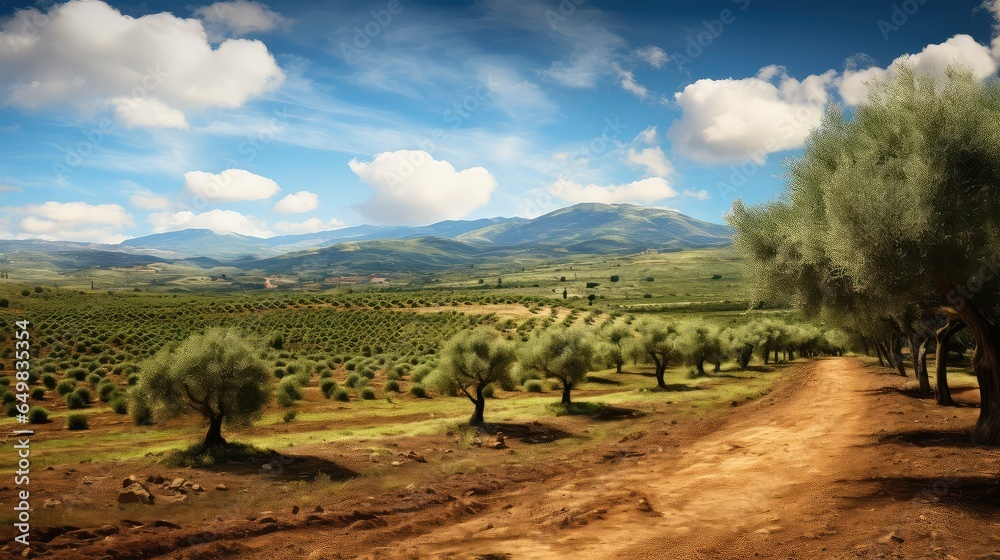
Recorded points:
(931, 438)
(289, 467)
(914, 393)
(973, 494)
(530, 432)
(679, 388)
(602, 380)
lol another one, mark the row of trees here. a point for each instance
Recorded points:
(221, 376)
(474, 360)
(890, 224)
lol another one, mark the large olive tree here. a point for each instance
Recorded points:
(892, 210)
(216, 374)
(564, 354)
(471, 362)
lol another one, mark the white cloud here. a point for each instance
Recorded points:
(302, 201)
(738, 120)
(151, 70)
(653, 55)
(411, 187)
(229, 186)
(312, 225)
(701, 194)
(935, 59)
(627, 80)
(68, 221)
(149, 201)
(644, 191)
(648, 136)
(235, 19)
(652, 159)
(215, 220)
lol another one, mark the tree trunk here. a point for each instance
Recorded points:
(896, 348)
(480, 406)
(718, 367)
(618, 367)
(918, 354)
(775, 355)
(700, 366)
(214, 436)
(790, 354)
(567, 387)
(983, 325)
(660, 372)
(942, 337)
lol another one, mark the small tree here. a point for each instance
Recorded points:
(656, 343)
(614, 350)
(216, 374)
(699, 343)
(471, 362)
(561, 353)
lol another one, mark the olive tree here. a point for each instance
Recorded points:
(216, 374)
(470, 362)
(699, 342)
(566, 354)
(615, 337)
(895, 208)
(656, 343)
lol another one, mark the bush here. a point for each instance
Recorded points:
(77, 422)
(352, 380)
(74, 401)
(118, 404)
(94, 379)
(77, 373)
(38, 415)
(367, 394)
(533, 386)
(49, 381)
(84, 394)
(38, 393)
(105, 391)
(290, 387)
(10, 409)
(341, 395)
(284, 399)
(327, 386)
(289, 416)
(392, 386)
(418, 391)
(489, 391)
(65, 387)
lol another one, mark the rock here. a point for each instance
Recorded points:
(413, 456)
(267, 519)
(221, 487)
(164, 523)
(130, 480)
(430, 490)
(135, 493)
(411, 486)
(318, 509)
(295, 510)
(476, 442)
(892, 537)
(51, 503)
(197, 488)
(105, 530)
(131, 523)
(500, 443)
(644, 505)
(176, 484)
(397, 463)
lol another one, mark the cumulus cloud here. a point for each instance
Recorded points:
(627, 80)
(653, 55)
(653, 160)
(935, 59)
(215, 220)
(312, 225)
(149, 201)
(302, 201)
(231, 185)
(738, 120)
(701, 194)
(648, 136)
(151, 71)
(68, 221)
(410, 187)
(239, 18)
(644, 191)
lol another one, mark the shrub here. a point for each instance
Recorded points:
(418, 391)
(38, 415)
(77, 421)
(489, 391)
(392, 386)
(289, 416)
(341, 395)
(65, 386)
(118, 404)
(352, 380)
(49, 381)
(84, 394)
(77, 373)
(327, 386)
(367, 394)
(533, 386)
(38, 393)
(284, 399)
(74, 401)
(10, 409)
(105, 390)
(290, 387)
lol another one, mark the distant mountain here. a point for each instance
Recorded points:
(580, 229)
(230, 246)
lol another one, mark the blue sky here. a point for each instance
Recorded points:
(123, 119)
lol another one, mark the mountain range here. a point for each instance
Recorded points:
(589, 228)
